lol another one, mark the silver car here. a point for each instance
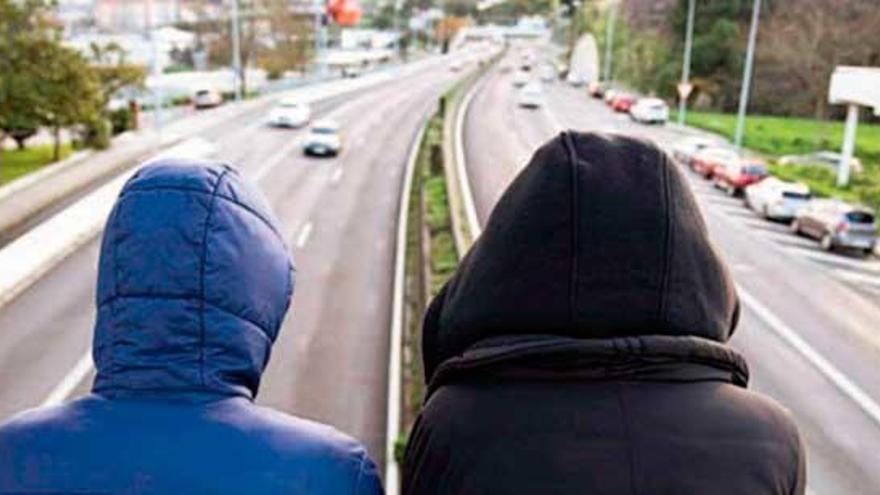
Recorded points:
(837, 224)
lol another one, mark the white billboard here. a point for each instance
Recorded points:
(855, 85)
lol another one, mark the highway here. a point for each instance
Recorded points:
(339, 216)
(810, 324)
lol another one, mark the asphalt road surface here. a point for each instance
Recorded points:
(339, 217)
(811, 323)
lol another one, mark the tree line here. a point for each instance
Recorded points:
(44, 84)
(799, 44)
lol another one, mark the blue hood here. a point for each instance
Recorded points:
(194, 282)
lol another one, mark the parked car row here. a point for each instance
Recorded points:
(647, 110)
(832, 222)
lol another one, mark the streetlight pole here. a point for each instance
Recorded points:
(609, 39)
(155, 66)
(747, 76)
(686, 65)
(236, 52)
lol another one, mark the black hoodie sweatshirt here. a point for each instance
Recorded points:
(579, 347)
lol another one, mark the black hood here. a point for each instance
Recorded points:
(598, 237)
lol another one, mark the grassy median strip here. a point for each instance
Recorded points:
(15, 163)
(777, 136)
(431, 259)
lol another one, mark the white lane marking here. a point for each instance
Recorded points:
(836, 259)
(70, 381)
(304, 234)
(859, 278)
(337, 175)
(275, 159)
(837, 377)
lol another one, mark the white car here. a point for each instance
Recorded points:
(684, 150)
(650, 111)
(323, 139)
(531, 96)
(290, 113)
(207, 98)
(548, 74)
(520, 78)
(777, 199)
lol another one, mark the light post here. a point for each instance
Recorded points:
(747, 77)
(684, 87)
(236, 52)
(609, 39)
(155, 67)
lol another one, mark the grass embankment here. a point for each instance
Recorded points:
(16, 163)
(777, 136)
(430, 261)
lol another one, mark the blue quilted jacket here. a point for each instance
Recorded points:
(194, 282)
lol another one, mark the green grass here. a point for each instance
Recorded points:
(17, 163)
(777, 136)
(790, 135)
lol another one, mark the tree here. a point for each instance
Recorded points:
(113, 72)
(21, 23)
(69, 89)
(289, 33)
(802, 43)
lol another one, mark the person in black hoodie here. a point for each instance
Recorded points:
(580, 346)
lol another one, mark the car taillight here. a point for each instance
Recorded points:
(841, 227)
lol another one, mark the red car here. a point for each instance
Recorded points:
(623, 102)
(708, 161)
(735, 176)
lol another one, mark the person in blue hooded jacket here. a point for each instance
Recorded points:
(194, 282)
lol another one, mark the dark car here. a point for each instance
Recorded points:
(837, 224)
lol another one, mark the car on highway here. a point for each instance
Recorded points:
(776, 199)
(457, 65)
(708, 160)
(323, 139)
(608, 95)
(207, 98)
(684, 150)
(596, 89)
(623, 102)
(352, 71)
(829, 159)
(520, 79)
(837, 224)
(650, 111)
(290, 113)
(735, 175)
(548, 73)
(531, 96)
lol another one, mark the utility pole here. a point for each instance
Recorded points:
(319, 35)
(236, 52)
(155, 67)
(609, 39)
(686, 65)
(747, 77)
